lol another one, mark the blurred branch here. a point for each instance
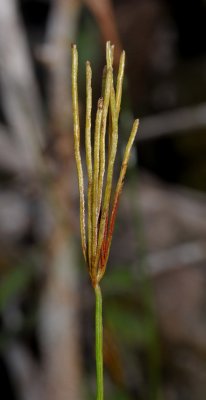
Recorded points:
(180, 256)
(104, 14)
(173, 122)
(58, 328)
(9, 160)
(59, 333)
(21, 101)
(25, 373)
(61, 30)
(59, 306)
(182, 213)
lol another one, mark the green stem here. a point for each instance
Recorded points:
(99, 343)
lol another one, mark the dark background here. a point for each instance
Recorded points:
(154, 287)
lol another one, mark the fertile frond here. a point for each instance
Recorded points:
(101, 213)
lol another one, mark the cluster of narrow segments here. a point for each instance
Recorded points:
(102, 201)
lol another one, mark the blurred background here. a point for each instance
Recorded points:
(154, 288)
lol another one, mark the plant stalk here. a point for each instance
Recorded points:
(99, 343)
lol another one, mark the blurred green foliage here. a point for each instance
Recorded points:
(13, 283)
